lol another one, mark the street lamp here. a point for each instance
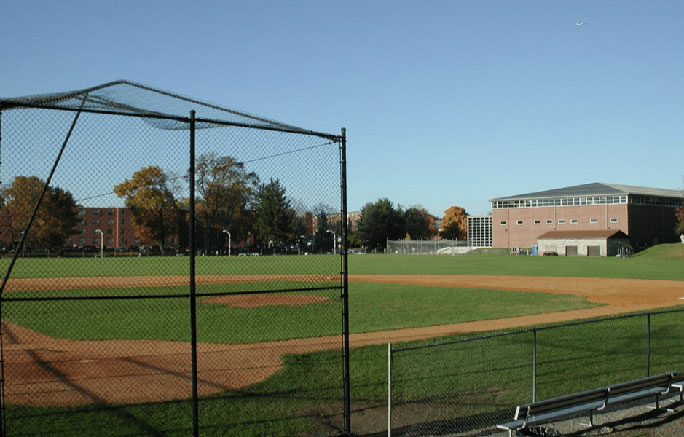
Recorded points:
(334, 240)
(228, 241)
(99, 231)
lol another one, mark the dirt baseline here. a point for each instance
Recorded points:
(41, 370)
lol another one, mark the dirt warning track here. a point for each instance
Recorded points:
(41, 370)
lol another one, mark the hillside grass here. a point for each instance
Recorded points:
(663, 252)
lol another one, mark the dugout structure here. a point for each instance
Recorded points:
(127, 304)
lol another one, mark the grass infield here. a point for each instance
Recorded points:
(374, 307)
(457, 381)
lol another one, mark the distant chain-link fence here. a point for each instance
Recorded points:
(155, 280)
(428, 247)
(468, 386)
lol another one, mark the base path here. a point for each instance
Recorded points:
(41, 370)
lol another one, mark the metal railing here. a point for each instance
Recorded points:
(469, 385)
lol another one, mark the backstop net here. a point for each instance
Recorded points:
(161, 270)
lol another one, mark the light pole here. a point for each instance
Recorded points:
(334, 240)
(228, 241)
(99, 231)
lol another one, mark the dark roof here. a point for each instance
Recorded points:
(604, 234)
(594, 189)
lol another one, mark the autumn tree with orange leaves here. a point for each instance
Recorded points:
(55, 220)
(454, 224)
(149, 196)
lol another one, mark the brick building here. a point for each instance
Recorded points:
(115, 223)
(353, 218)
(646, 215)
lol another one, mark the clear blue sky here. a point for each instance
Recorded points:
(445, 102)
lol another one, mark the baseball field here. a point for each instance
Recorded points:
(260, 370)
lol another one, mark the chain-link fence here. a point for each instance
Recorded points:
(156, 270)
(428, 247)
(470, 385)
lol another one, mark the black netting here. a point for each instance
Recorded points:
(162, 109)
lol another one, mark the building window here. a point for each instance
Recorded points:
(96, 212)
(110, 241)
(519, 222)
(110, 221)
(537, 222)
(573, 221)
(110, 232)
(549, 222)
(110, 212)
(81, 240)
(80, 231)
(123, 221)
(593, 220)
(82, 222)
(561, 221)
(81, 211)
(613, 220)
(503, 222)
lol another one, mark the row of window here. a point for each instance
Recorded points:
(560, 201)
(108, 231)
(82, 211)
(96, 241)
(560, 221)
(97, 221)
(590, 200)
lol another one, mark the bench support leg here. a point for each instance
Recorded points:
(591, 420)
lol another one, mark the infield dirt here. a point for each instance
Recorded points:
(41, 370)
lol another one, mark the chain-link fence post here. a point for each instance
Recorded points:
(193, 302)
(389, 389)
(648, 345)
(345, 286)
(534, 365)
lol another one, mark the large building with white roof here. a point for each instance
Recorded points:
(646, 215)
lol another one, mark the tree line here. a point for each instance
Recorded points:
(381, 221)
(229, 199)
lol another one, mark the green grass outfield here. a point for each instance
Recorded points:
(659, 262)
(305, 397)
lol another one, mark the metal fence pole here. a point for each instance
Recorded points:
(389, 389)
(3, 424)
(345, 285)
(193, 313)
(534, 365)
(648, 345)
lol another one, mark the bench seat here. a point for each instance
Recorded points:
(593, 400)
